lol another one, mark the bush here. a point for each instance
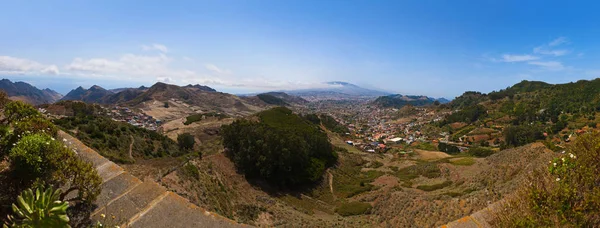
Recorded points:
(564, 195)
(190, 170)
(353, 208)
(281, 148)
(522, 134)
(18, 110)
(449, 149)
(480, 151)
(41, 157)
(186, 141)
(429, 188)
(463, 161)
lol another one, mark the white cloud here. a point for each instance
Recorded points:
(558, 41)
(158, 47)
(215, 69)
(518, 58)
(549, 65)
(12, 65)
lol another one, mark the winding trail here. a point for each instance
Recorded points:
(331, 183)
(131, 147)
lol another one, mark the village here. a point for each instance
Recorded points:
(138, 119)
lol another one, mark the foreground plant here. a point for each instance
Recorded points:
(40, 209)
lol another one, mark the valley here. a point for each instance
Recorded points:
(397, 164)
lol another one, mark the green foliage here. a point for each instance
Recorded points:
(477, 151)
(426, 169)
(41, 208)
(248, 213)
(166, 105)
(564, 195)
(449, 149)
(112, 139)
(463, 161)
(468, 114)
(190, 170)
(3, 99)
(281, 148)
(186, 141)
(399, 101)
(429, 188)
(270, 99)
(17, 110)
(353, 208)
(199, 117)
(467, 99)
(331, 124)
(41, 157)
(521, 135)
(426, 146)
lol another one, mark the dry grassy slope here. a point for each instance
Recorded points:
(491, 179)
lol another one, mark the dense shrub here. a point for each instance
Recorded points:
(41, 157)
(433, 187)
(18, 110)
(449, 149)
(564, 195)
(282, 148)
(112, 139)
(186, 141)
(522, 134)
(480, 151)
(353, 208)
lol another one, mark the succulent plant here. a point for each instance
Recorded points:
(42, 209)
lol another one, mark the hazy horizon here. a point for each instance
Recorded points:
(439, 49)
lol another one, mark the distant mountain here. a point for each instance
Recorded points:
(443, 100)
(337, 91)
(92, 95)
(287, 98)
(200, 87)
(118, 90)
(399, 100)
(28, 93)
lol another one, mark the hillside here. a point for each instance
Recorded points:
(28, 93)
(399, 100)
(288, 98)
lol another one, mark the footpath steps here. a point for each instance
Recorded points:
(126, 201)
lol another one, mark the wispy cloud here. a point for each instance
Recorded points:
(549, 65)
(558, 41)
(157, 47)
(518, 58)
(13, 65)
(549, 48)
(215, 69)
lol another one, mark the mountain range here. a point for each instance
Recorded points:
(336, 90)
(28, 93)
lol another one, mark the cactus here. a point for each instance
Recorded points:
(42, 209)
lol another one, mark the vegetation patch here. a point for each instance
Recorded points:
(480, 151)
(467, 161)
(426, 169)
(270, 99)
(349, 180)
(247, 213)
(353, 208)
(429, 188)
(282, 148)
(426, 146)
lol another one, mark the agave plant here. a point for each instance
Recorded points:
(42, 209)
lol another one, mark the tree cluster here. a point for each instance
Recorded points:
(282, 148)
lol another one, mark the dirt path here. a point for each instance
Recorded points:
(131, 148)
(331, 183)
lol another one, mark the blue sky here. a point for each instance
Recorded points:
(434, 48)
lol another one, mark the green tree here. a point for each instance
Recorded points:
(186, 141)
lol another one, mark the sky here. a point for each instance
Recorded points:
(435, 48)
